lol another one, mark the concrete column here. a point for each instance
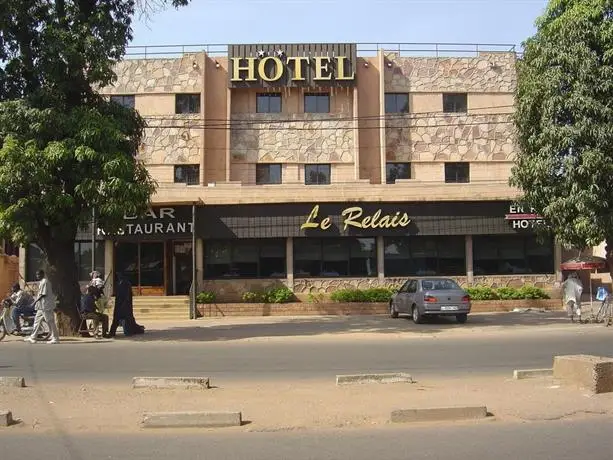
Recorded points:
(200, 261)
(469, 258)
(289, 261)
(356, 136)
(23, 254)
(109, 265)
(380, 258)
(382, 153)
(557, 260)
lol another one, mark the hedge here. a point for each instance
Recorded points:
(506, 293)
(273, 295)
(374, 295)
(205, 297)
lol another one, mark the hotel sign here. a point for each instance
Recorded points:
(521, 218)
(355, 217)
(260, 66)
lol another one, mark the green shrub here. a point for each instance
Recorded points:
(506, 293)
(532, 292)
(205, 297)
(253, 297)
(481, 293)
(281, 294)
(382, 295)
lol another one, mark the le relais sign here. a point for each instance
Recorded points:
(355, 217)
(292, 65)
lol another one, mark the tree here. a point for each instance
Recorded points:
(65, 150)
(564, 122)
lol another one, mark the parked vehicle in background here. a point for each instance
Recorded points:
(421, 297)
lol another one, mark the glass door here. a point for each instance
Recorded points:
(143, 266)
(181, 267)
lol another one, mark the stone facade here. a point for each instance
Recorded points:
(453, 138)
(172, 140)
(141, 76)
(315, 138)
(489, 72)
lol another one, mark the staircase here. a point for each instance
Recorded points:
(161, 308)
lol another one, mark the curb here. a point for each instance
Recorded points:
(520, 374)
(191, 419)
(6, 418)
(398, 377)
(12, 382)
(185, 383)
(439, 414)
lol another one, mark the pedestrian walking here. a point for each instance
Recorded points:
(44, 306)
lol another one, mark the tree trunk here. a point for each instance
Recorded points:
(609, 255)
(63, 274)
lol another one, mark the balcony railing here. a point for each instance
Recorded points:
(363, 49)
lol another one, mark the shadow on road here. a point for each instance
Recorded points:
(309, 326)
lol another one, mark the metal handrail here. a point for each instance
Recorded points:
(363, 49)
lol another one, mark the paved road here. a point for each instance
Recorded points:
(561, 440)
(220, 354)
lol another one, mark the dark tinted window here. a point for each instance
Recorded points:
(457, 172)
(247, 258)
(425, 256)
(127, 100)
(511, 255)
(396, 102)
(330, 257)
(268, 174)
(83, 258)
(268, 103)
(395, 171)
(187, 174)
(316, 174)
(317, 103)
(455, 102)
(187, 103)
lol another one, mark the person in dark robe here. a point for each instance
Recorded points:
(123, 312)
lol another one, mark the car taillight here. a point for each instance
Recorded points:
(429, 298)
(466, 298)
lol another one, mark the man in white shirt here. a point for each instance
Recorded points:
(44, 305)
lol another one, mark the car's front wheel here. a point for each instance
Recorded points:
(461, 318)
(416, 315)
(393, 311)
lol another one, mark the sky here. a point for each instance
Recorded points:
(334, 21)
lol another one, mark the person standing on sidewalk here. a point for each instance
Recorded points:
(44, 305)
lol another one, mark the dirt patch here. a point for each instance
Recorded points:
(291, 406)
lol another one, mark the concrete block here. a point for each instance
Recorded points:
(6, 418)
(191, 419)
(398, 377)
(520, 374)
(439, 414)
(593, 373)
(183, 383)
(12, 382)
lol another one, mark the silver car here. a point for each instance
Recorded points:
(422, 297)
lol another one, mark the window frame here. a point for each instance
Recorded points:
(187, 181)
(456, 164)
(450, 102)
(268, 165)
(391, 163)
(318, 96)
(318, 165)
(121, 98)
(395, 96)
(84, 264)
(232, 244)
(192, 108)
(526, 241)
(267, 97)
(413, 244)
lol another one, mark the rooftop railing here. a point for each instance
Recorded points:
(363, 49)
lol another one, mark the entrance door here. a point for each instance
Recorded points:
(181, 267)
(143, 265)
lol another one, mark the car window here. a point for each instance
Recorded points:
(404, 287)
(427, 285)
(439, 285)
(412, 286)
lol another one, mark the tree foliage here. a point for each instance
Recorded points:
(564, 121)
(63, 148)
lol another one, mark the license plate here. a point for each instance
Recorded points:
(449, 308)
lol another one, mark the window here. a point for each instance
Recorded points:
(267, 174)
(187, 103)
(455, 102)
(187, 174)
(316, 174)
(268, 103)
(396, 103)
(511, 254)
(425, 256)
(127, 100)
(247, 258)
(395, 171)
(317, 103)
(457, 173)
(83, 258)
(330, 257)
(10, 249)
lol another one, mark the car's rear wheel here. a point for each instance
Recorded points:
(461, 318)
(416, 315)
(393, 311)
